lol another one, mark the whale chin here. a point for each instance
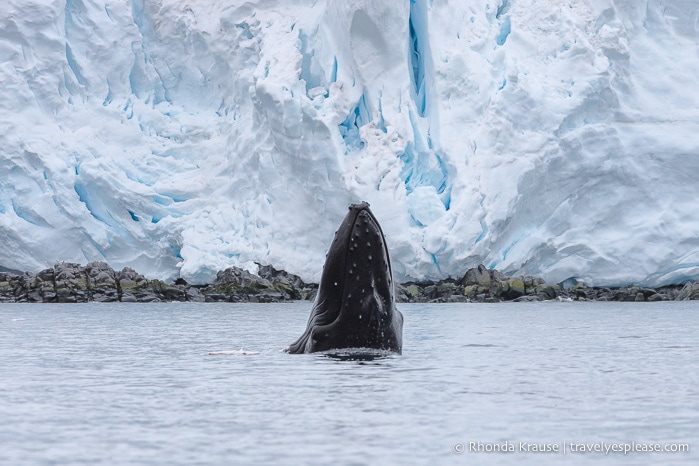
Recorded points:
(355, 304)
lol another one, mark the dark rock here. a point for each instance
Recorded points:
(526, 299)
(431, 292)
(193, 294)
(102, 282)
(580, 292)
(6, 288)
(134, 287)
(280, 277)
(456, 298)
(34, 296)
(161, 291)
(514, 289)
(407, 293)
(20, 286)
(43, 287)
(215, 297)
(70, 282)
(271, 297)
(236, 280)
(46, 275)
(605, 294)
(622, 294)
(309, 292)
(480, 276)
(272, 285)
(529, 282)
(546, 292)
(496, 275)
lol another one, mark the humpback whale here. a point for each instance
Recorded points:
(355, 305)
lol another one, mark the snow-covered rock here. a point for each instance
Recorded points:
(555, 138)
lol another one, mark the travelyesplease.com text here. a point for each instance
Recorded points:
(566, 447)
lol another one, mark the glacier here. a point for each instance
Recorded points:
(545, 137)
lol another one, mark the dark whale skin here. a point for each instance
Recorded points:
(355, 304)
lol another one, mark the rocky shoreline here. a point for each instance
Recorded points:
(98, 282)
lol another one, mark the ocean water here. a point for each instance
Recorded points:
(136, 384)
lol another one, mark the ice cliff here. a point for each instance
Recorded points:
(558, 138)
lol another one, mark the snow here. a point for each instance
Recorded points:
(555, 138)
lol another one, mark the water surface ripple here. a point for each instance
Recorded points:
(135, 383)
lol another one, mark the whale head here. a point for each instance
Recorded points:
(355, 304)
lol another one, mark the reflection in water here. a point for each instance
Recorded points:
(358, 354)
